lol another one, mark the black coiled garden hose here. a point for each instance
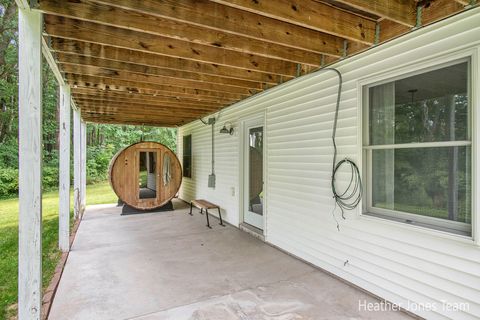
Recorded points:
(350, 198)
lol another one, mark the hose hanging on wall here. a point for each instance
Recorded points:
(351, 196)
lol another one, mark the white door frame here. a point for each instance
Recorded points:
(242, 132)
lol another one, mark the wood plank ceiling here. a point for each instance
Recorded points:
(169, 62)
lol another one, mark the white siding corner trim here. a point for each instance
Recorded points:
(404, 265)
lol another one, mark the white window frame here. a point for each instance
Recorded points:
(471, 57)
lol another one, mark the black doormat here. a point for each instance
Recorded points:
(127, 210)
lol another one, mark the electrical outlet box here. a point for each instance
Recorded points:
(211, 181)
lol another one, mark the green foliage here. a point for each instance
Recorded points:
(8, 181)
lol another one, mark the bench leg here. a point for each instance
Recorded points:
(220, 215)
(201, 210)
(191, 207)
(208, 222)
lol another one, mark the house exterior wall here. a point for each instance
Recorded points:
(404, 264)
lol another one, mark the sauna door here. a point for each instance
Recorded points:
(253, 190)
(148, 161)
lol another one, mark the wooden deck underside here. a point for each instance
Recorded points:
(167, 63)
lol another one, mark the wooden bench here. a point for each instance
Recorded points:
(205, 205)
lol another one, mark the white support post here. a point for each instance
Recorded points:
(30, 165)
(77, 138)
(64, 170)
(83, 166)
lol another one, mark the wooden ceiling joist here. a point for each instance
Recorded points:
(154, 80)
(74, 47)
(67, 59)
(150, 96)
(147, 100)
(218, 17)
(142, 110)
(100, 83)
(399, 11)
(180, 106)
(313, 15)
(140, 41)
(118, 17)
(159, 120)
(167, 63)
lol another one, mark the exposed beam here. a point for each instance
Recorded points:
(118, 17)
(30, 165)
(131, 56)
(313, 15)
(170, 101)
(145, 70)
(128, 110)
(152, 80)
(151, 96)
(140, 106)
(136, 120)
(223, 18)
(145, 42)
(400, 11)
(84, 81)
(51, 62)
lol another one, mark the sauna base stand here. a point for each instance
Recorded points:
(127, 210)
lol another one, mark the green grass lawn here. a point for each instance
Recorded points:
(96, 194)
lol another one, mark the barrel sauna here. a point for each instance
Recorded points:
(145, 175)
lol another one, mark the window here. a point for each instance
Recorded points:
(417, 148)
(187, 156)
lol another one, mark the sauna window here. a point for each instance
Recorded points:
(147, 177)
(187, 156)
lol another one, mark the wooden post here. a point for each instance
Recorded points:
(30, 165)
(83, 166)
(64, 170)
(77, 163)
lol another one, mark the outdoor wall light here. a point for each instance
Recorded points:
(229, 130)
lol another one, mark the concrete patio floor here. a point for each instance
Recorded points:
(168, 265)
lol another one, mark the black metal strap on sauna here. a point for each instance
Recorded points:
(350, 198)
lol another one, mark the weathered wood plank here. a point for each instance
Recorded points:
(30, 165)
(150, 96)
(148, 59)
(127, 110)
(118, 17)
(313, 15)
(390, 29)
(400, 11)
(145, 42)
(440, 9)
(138, 120)
(146, 70)
(223, 18)
(156, 101)
(152, 80)
(64, 170)
(89, 104)
(131, 86)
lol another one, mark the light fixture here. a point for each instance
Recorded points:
(229, 130)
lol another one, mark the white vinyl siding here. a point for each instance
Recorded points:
(397, 262)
